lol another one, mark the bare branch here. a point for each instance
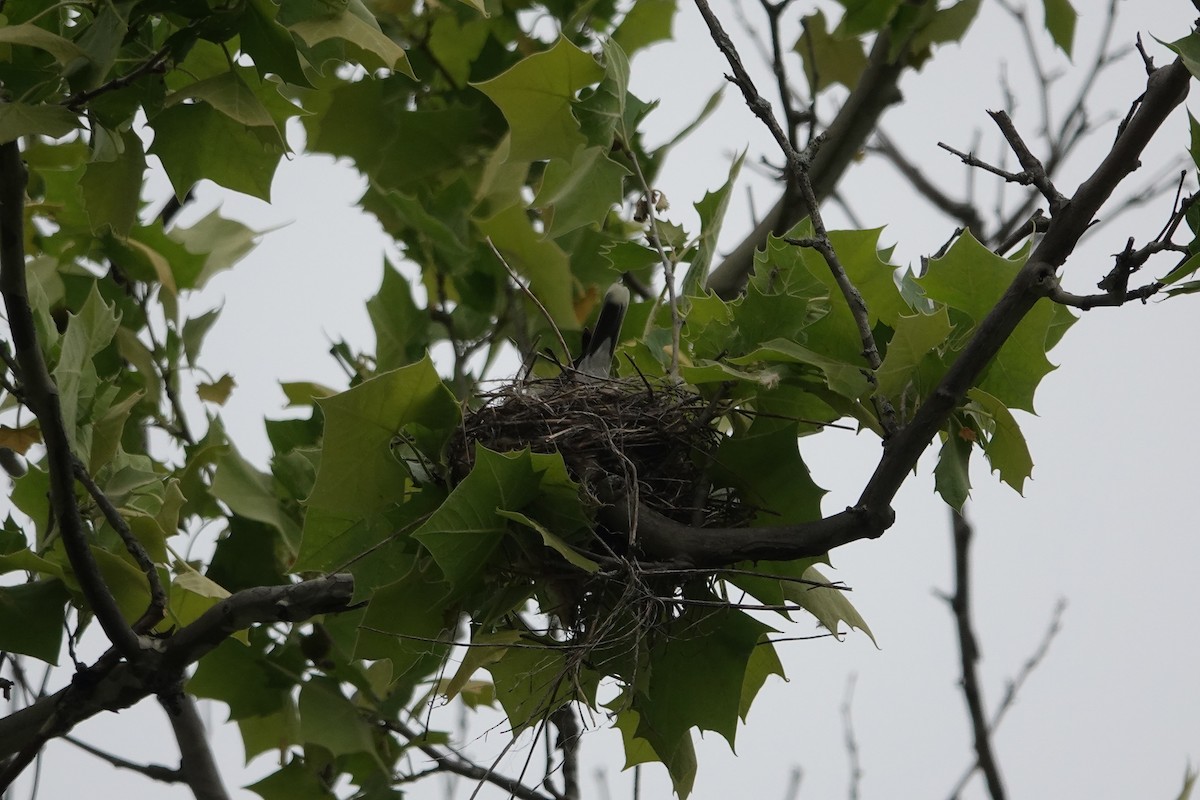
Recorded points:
(959, 210)
(969, 652)
(876, 91)
(568, 743)
(1031, 165)
(1015, 685)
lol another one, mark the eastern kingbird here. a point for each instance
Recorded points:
(596, 358)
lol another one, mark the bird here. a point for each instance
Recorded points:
(596, 358)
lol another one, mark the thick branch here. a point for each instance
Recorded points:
(969, 657)
(123, 685)
(41, 395)
(196, 762)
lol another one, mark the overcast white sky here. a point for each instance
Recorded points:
(1107, 523)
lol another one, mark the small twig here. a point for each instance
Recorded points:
(529, 293)
(960, 210)
(960, 603)
(1015, 685)
(856, 771)
(1031, 165)
(76, 101)
(158, 597)
(153, 771)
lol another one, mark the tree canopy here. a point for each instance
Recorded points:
(629, 546)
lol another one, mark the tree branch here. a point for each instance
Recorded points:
(41, 395)
(877, 89)
(158, 597)
(663, 539)
(463, 767)
(155, 772)
(109, 687)
(969, 656)
(797, 173)
(196, 762)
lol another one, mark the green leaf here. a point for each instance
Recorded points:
(712, 213)
(952, 475)
(542, 262)
(297, 780)
(580, 191)
(535, 96)
(112, 189)
(358, 476)
(829, 605)
(914, 337)
(680, 697)
(531, 682)
(1060, 22)
(763, 464)
(1188, 49)
(831, 58)
(88, 332)
(251, 494)
(401, 329)
(243, 678)
(368, 44)
(329, 719)
(24, 119)
(467, 529)
(406, 620)
(864, 16)
(218, 391)
(65, 51)
(552, 541)
(269, 44)
(228, 94)
(31, 619)
(1005, 449)
(183, 137)
(218, 244)
(369, 121)
(649, 21)
(971, 278)
(642, 746)
(948, 24)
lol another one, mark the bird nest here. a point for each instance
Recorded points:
(659, 440)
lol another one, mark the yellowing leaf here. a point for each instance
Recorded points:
(19, 440)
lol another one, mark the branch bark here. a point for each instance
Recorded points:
(969, 657)
(196, 762)
(662, 539)
(116, 687)
(877, 89)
